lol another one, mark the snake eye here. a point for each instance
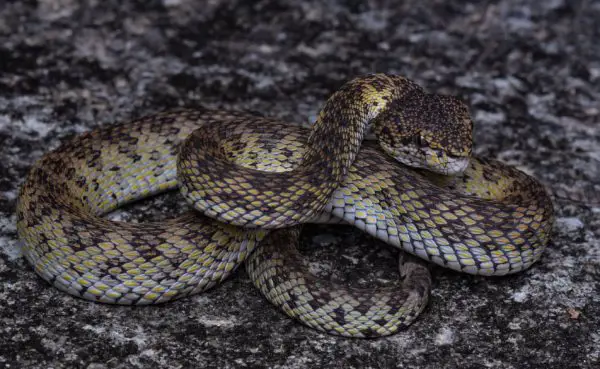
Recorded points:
(419, 140)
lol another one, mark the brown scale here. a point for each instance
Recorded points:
(303, 192)
(71, 246)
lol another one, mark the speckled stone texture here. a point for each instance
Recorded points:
(530, 71)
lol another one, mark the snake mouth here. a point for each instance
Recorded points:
(450, 165)
(433, 159)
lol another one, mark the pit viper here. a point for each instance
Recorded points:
(253, 181)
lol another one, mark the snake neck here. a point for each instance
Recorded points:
(348, 115)
(215, 184)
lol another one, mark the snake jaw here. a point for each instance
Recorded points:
(442, 163)
(434, 160)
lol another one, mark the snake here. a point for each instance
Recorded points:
(252, 182)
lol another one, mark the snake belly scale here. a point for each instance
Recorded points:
(491, 220)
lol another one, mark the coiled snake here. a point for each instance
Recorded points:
(262, 174)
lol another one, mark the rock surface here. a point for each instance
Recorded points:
(530, 72)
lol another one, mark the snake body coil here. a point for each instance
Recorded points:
(490, 220)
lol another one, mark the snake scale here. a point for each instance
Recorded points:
(256, 180)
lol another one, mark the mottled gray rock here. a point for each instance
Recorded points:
(529, 70)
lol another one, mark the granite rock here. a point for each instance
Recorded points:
(530, 72)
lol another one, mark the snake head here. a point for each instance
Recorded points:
(432, 132)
